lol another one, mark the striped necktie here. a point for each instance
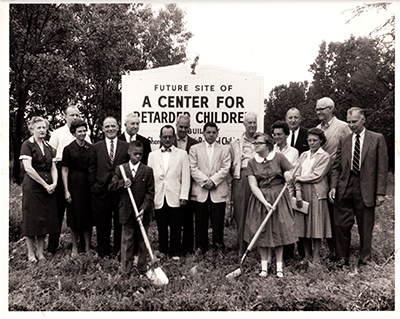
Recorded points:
(356, 156)
(112, 151)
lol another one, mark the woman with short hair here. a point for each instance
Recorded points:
(311, 183)
(268, 171)
(75, 176)
(39, 203)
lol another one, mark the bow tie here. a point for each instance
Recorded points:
(166, 150)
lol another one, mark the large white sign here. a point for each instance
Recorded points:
(212, 94)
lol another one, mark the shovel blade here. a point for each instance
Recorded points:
(157, 276)
(234, 274)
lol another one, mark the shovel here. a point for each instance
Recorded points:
(239, 271)
(156, 275)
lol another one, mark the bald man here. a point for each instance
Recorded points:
(241, 152)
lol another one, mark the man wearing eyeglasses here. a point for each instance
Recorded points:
(334, 130)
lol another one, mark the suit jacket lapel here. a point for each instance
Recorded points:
(205, 156)
(171, 159)
(365, 146)
(347, 147)
(139, 172)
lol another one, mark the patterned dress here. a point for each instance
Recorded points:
(279, 229)
(39, 208)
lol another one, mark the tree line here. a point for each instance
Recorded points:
(76, 53)
(358, 72)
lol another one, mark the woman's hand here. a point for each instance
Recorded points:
(268, 206)
(299, 202)
(50, 188)
(68, 197)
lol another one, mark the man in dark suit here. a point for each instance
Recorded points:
(140, 180)
(184, 142)
(106, 156)
(132, 123)
(358, 184)
(297, 137)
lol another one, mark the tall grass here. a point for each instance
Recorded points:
(198, 283)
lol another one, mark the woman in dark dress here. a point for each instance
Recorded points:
(267, 173)
(39, 203)
(75, 171)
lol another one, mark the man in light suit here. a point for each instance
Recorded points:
(209, 167)
(358, 184)
(105, 157)
(334, 129)
(132, 123)
(184, 142)
(172, 183)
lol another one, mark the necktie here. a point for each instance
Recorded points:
(112, 151)
(292, 142)
(133, 172)
(209, 152)
(356, 156)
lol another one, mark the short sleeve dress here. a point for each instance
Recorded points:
(79, 211)
(39, 208)
(279, 229)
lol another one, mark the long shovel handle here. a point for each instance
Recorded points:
(139, 220)
(270, 211)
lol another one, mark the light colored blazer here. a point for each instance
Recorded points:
(173, 182)
(201, 171)
(373, 167)
(318, 177)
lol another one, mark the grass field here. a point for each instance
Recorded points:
(196, 283)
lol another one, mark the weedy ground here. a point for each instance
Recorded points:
(198, 283)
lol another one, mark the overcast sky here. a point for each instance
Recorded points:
(277, 40)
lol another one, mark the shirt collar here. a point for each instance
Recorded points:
(260, 159)
(362, 134)
(134, 167)
(326, 125)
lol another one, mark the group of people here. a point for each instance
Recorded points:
(316, 181)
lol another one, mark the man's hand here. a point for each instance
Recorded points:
(331, 195)
(379, 200)
(128, 183)
(182, 202)
(209, 184)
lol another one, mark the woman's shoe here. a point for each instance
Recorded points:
(279, 274)
(263, 273)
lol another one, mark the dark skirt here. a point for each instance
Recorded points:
(39, 208)
(79, 212)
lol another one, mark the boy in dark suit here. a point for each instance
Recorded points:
(141, 181)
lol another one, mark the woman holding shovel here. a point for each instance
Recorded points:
(267, 173)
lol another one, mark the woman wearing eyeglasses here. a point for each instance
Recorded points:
(267, 173)
(311, 183)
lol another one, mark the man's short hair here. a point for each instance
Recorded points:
(210, 124)
(135, 143)
(131, 115)
(168, 127)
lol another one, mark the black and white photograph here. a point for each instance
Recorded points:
(179, 159)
